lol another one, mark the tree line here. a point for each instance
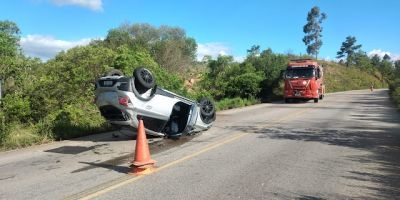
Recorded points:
(50, 100)
(53, 100)
(351, 54)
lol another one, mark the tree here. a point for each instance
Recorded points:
(169, 46)
(229, 79)
(218, 66)
(9, 38)
(362, 61)
(376, 60)
(12, 66)
(387, 69)
(397, 65)
(118, 37)
(386, 57)
(349, 48)
(313, 30)
(253, 51)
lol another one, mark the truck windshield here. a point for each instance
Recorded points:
(301, 72)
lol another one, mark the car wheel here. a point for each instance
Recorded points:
(207, 108)
(114, 72)
(144, 77)
(141, 93)
(316, 100)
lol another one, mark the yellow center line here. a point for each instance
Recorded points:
(109, 186)
(125, 182)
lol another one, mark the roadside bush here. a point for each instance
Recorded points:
(3, 127)
(72, 121)
(199, 93)
(16, 108)
(396, 96)
(270, 65)
(394, 91)
(20, 136)
(127, 60)
(229, 103)
(229, 79)
(244, 85)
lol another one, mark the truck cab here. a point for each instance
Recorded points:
(304, 80)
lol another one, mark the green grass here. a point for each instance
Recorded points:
(20, 136)
(237, 102)
(394, 91)
(342, 78)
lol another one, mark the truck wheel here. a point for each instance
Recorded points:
(287, 100)
(316, 100)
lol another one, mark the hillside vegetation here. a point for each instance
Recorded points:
(394, 84)
(53, 100)
(341, 78)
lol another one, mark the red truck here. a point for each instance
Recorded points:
(304, 80)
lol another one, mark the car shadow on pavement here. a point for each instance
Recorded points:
(113, 167)
(115, 136)
(74, 149)
(116, 162)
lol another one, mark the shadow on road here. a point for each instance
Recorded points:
(375, 129)
(74, 149)
(115, 163)
(106, 165)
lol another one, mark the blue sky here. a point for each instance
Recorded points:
(225, 26)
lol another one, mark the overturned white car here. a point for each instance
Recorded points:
(123, 100)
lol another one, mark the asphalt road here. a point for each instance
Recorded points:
(347, 146)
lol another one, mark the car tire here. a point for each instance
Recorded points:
(207, 108)
(115, 72)
(144, 78)
(139, 91)
(316, 100)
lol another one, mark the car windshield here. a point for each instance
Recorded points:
(301, 72)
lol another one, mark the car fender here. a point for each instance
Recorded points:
(159, 106)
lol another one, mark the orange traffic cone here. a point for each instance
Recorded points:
(143, 164)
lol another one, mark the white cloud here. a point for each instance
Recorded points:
(212, 49)
(96, 5)
(378, 52)
(46, 47)
(239, 58)
(382, 53)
